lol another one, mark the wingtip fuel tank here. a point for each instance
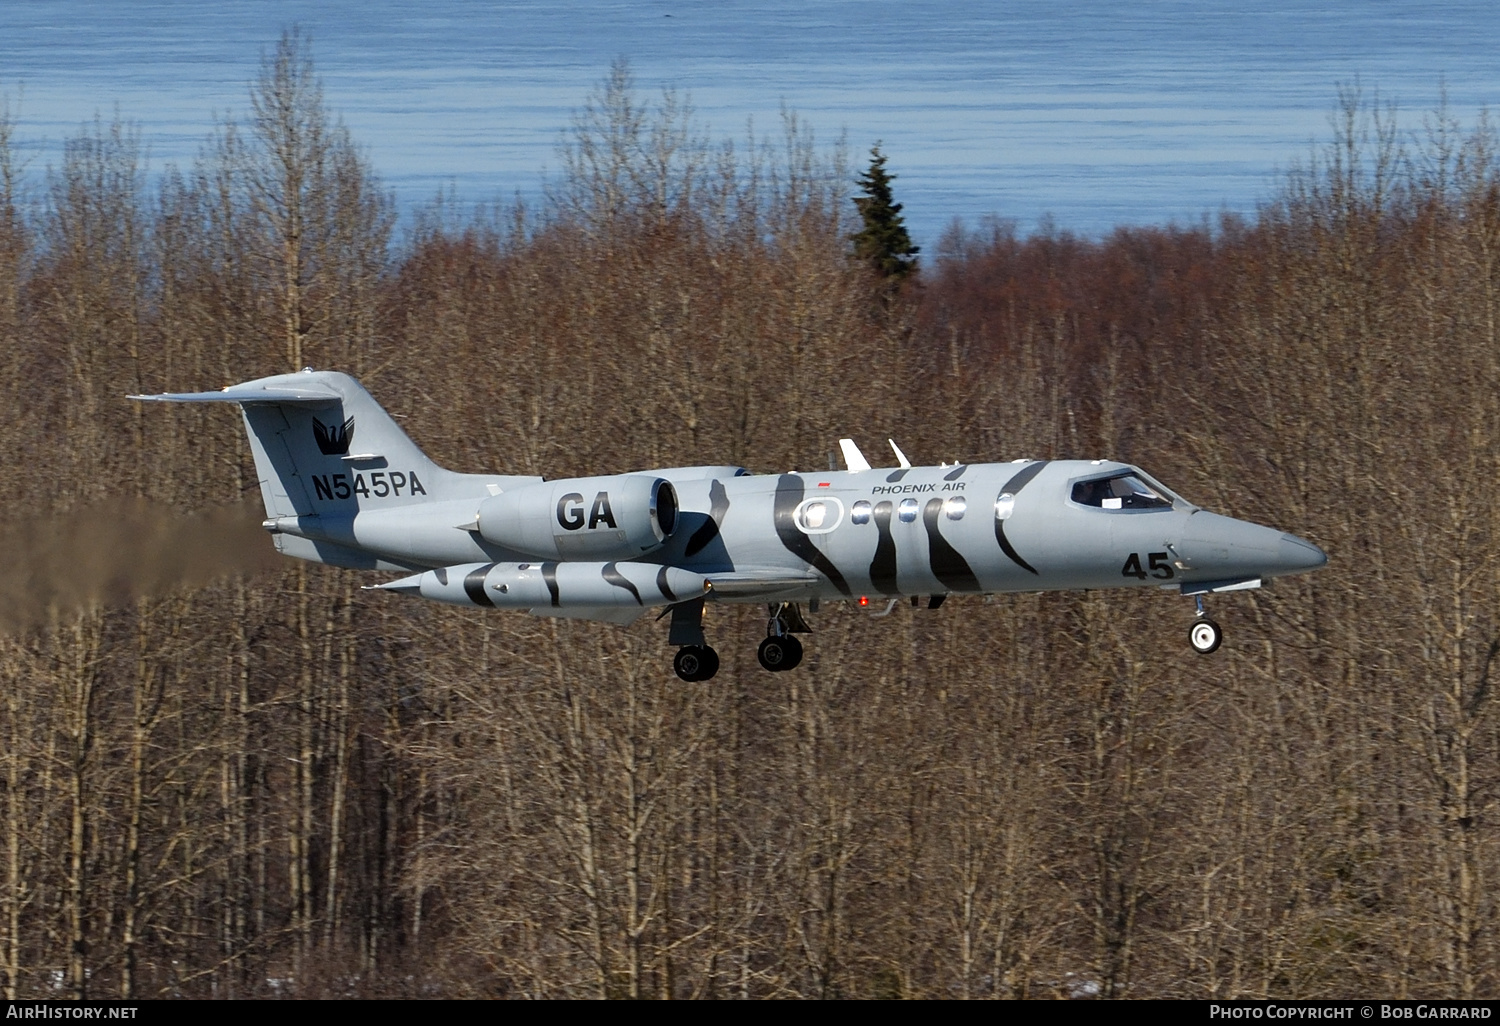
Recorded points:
(551, 584)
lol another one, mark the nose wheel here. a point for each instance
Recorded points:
(1204, 635)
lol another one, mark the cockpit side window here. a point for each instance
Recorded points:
(1123, 491)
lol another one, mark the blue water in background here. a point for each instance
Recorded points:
(1097, 113)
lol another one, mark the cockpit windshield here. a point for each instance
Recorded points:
(1123, 491)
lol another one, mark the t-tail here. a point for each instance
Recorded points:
(326, 451)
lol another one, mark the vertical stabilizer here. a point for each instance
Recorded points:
(324, 447)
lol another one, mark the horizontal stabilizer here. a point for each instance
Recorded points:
(247, 394)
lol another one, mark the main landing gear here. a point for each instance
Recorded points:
(696, 660)
(777, 654)
(1204, 635)
(781, 651)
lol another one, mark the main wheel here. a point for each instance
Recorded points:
(690, 661)
(1205, 636)
(694, 663)
(710, 664)
(794, 652)
(777, 654)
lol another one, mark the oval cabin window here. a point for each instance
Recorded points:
(818, 516)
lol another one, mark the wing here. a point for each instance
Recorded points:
(622, 615)
(755, 585)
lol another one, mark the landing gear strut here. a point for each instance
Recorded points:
(1204, 635)
(696, 659)
(781, 651)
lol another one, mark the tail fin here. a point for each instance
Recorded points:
(324, 447)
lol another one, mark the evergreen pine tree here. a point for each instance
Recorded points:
(883, 242)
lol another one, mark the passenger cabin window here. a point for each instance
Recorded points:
(819, 516)
(1124, 491)
(860, 513)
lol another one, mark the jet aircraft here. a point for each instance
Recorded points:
(344, 485)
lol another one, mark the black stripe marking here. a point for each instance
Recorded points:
(1014, 485)
(613, 576)
(897, 475)
(956, 474)
(947, 564)
(883, 566)
(1020, 480)
(442, 575)
(718, 506)
(1009, 549)
(474, 586)
(549, 574)
(789, 492)
(661, 585)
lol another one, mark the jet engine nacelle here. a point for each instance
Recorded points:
(617, 517)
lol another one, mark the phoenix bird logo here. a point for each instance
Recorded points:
(333, 439)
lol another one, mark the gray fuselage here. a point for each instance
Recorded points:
(889, 532)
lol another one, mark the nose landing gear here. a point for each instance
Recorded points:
(1204, 635)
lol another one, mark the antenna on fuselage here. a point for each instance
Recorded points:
(853, 458)
(900, 456)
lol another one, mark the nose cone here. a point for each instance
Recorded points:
(1298, 556)
(1219, 546)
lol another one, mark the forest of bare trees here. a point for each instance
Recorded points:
(228, 775)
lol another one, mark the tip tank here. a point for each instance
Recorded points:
(555, 584)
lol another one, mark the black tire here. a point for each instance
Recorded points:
(710, 664)
(1205, 636)
(794, 653)
(690, 661)
(775, 654)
